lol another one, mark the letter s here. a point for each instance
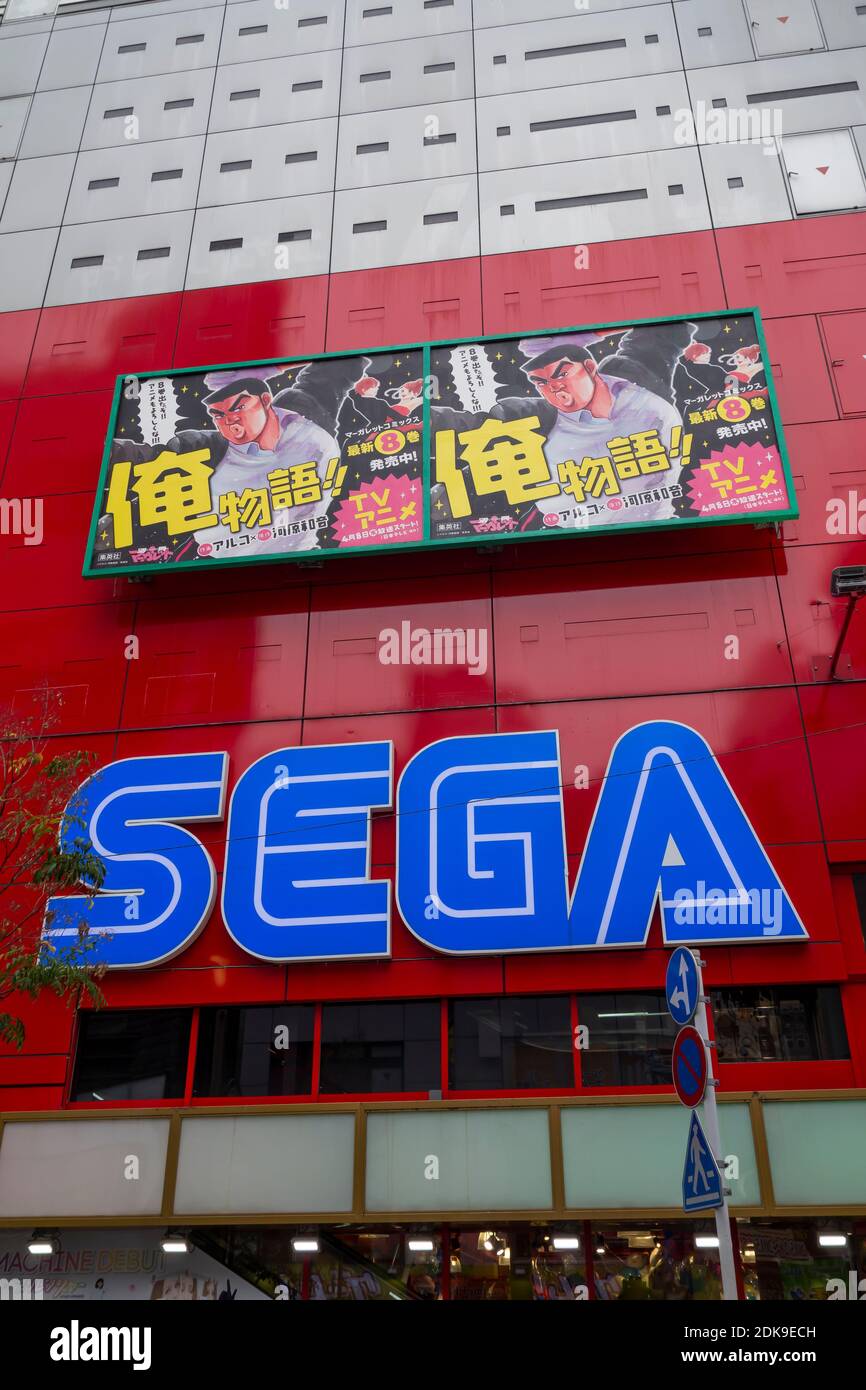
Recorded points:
(129, 811)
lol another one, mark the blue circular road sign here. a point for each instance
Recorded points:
(690, 1067)
(681, 986)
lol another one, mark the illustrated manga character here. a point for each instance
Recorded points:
(258, 431)
(745, 365)
(581, 405)
(397, 405)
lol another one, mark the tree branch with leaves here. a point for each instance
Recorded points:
(39, 785)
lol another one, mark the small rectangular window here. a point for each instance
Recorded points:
(651, 38)
(154, 253)
(189, 38)
(375, 76)
(307, 86)
(432, 219)
(779, 1023)
(439, 67)
(181, 104)
(630, 1039)
(103, 183)
(377, 11)
(302, 157)
(568, 50)
(232, 243)
(132, 48)
(131, 1054)
(663, 110)
(506, 210)
(521, 1044)
(262, 1050)
(116, 112)
(234, 166)
(437, 4)
(378, 147)
(567, 122)
(449, 139)
(247, 94)
(315, 19)
(583, 200)
(705, 32)
(380, 1047)
(304, 234)
(163, 175)
(82, 262)
(369, 227)
(675, 189)
(735, 182)
(503, 130)
(827, 89)
(252, 29)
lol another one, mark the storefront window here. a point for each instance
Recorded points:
(806, 1259)
(370, 1048)
(630, 1037)
(135, 1054)
(258, 1051)
(783, 1023)
(656, 1263)
(512, 1043)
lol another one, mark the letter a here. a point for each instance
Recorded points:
(668, 820)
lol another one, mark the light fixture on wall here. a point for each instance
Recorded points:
(848, 581)
(175, 1243)
(44, 1243)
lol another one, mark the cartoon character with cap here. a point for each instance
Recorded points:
(257, 430)
(582, 403)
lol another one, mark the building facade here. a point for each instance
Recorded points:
(190, 185)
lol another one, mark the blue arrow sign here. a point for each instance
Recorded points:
(702, 1180)
(681, 986)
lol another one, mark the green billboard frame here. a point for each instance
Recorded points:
(478, 542)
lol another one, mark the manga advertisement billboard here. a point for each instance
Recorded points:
(656, 424)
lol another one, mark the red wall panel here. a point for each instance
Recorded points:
(345, 674)
(81, 659)
(644, 278)
(17, 331)
(48, 575)
(809, 266)
(814, 619)
(800, 371)
(828, 463)
(404, 304)
(599, 630)
(57, 446)
(238, 323)
(81, 347)
(845, 335)
(204, 662)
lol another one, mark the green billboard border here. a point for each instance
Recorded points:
(478, 542)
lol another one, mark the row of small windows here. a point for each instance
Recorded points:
(513, 1043)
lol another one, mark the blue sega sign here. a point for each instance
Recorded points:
(481, 855)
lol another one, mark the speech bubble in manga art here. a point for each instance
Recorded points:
(157, 410)
(474, 379)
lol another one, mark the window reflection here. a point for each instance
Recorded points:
(518, 1043)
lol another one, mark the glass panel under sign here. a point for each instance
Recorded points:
(265, 1163)
(817, 1150)
(632, 1156)
(459, 1160)
(94, 1168)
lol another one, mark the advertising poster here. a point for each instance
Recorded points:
(91, 1266)
(653, 425)
(581, 431)
(263, 462)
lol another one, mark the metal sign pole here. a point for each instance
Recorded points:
(711, 1125)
